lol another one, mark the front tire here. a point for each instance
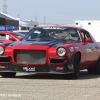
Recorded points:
(75, 75)
(76, 63)
(8, 74)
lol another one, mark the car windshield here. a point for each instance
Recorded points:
(19, 35)
(68, 34)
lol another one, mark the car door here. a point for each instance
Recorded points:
(90, 53)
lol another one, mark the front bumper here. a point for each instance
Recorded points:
(35, 69)
(56, 65)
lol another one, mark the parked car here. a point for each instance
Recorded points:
(22, 31)
(7, 36)
(62, 50)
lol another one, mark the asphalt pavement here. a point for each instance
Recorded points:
(28, 86)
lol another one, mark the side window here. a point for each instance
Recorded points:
(85, 35)
(35, 34)
(5, 37)
(2, 37)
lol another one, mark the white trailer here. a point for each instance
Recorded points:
(93, 26)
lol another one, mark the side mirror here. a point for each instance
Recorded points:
(87, 40)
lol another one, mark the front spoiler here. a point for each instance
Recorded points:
(35, 69)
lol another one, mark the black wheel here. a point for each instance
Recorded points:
(91, 71)
(8, 74)
(75, 75)
(95, 69)
(76, 69)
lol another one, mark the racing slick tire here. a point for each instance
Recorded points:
(8, 74)
(95, 69)
(75, 75)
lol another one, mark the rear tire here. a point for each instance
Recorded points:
(95, 69)
(8, 74)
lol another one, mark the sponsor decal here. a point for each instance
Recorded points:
(70, 66)
(71, 49)
(89, 50)
(2, 66)
(53, 28)
(76, 48)
(59, 68)
(29, 68)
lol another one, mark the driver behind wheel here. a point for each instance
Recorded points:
(66, 36)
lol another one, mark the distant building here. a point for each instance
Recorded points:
(31, 23)
(21, 23)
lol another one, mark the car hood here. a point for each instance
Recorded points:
(37, 43)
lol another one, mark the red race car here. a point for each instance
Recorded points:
(8, 36)
(63, 50)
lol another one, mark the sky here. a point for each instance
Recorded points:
(53, 11)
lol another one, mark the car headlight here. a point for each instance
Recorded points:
(1, 50)
(61, 51)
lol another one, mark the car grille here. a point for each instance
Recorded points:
(30, 56)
